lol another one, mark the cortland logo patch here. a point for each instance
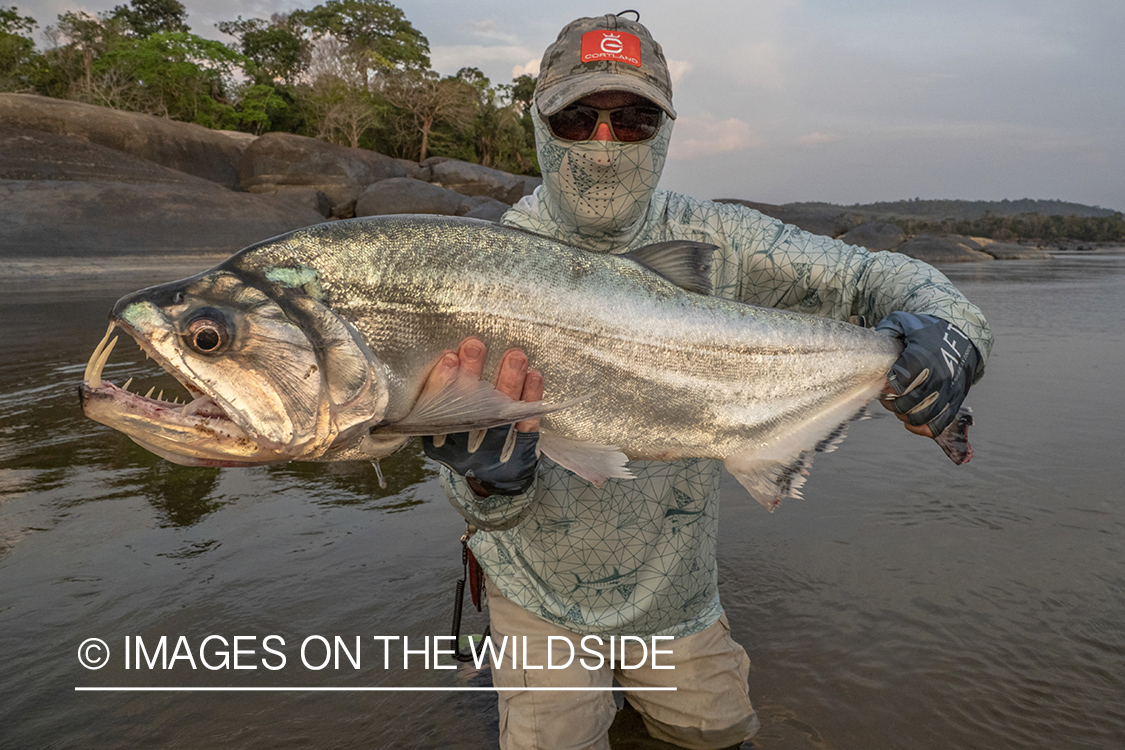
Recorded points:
(619, 46)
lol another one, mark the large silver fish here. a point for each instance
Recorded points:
(315, 345)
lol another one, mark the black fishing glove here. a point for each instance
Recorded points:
(932, 376)
(488, 467)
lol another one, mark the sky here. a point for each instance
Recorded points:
(840, 101)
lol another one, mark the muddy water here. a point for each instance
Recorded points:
(903, 603)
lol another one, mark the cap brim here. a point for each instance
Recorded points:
(554, 98)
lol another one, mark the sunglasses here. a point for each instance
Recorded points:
(637, 122)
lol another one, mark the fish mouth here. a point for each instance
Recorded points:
(199, 432)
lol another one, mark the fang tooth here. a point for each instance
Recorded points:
(126, 386)
(95, 379)
(97, 352)
(150, 390)
(161, 396)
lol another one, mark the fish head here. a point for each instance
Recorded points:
(273, 373)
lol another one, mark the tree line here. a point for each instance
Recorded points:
(1026, 226)
(352, 72)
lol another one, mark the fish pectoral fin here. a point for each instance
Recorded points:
(778, 470)
(685, 263)
(465, 404)
(593, 462)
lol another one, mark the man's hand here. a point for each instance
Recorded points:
(496, 463)
(929, 381)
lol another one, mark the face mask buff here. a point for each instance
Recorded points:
(599, 189)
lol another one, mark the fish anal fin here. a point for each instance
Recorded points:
(777, 470)
(593, 462)
(769, 482)
(685, 263)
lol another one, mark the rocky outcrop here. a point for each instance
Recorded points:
(210, 154)
(1010, 250)
(950, 248)
(36, 155)
(72, 218)
(78, 179)
(875, 236)
(277, 161)
(809, 220)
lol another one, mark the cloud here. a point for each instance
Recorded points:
(817, 139)
(760, 64)
(696, 137)
(678, 69)
(449, 59)
(487, 29)
(531, 68)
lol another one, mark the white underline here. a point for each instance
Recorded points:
(349, 689)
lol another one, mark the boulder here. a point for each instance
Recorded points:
(943, 248)
(210, 154)
(278, 160)
(530, 183)
(483, 207)
(309, 197)
(404, 195)
(875, 236)
(63, 218)
(473, 179)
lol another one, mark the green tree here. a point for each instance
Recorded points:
(375, 34)
(186, 74)
(259, 106)
(523, 93)
(276, 47)
(342, 113)
(86, 38)
(497, 137)
(429, 100)
(17, 50)
(148, 17)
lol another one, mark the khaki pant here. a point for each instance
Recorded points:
(709, 710)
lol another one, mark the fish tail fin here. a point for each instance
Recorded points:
(954, 439)
(778, 470)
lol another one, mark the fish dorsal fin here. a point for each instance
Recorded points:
(685, 263)
(778, 470)
(463, 404)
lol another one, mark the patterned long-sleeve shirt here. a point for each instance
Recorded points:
(637, 556)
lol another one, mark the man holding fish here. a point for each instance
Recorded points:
(566, 558)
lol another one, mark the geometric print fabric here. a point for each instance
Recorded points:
(638, 556)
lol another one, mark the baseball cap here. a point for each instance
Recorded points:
(607, 53)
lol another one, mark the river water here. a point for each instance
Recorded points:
(903, 603)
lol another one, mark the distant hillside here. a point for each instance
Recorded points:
(1045, 221)
(939, 210)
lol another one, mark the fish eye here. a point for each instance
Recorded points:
(208, 332)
